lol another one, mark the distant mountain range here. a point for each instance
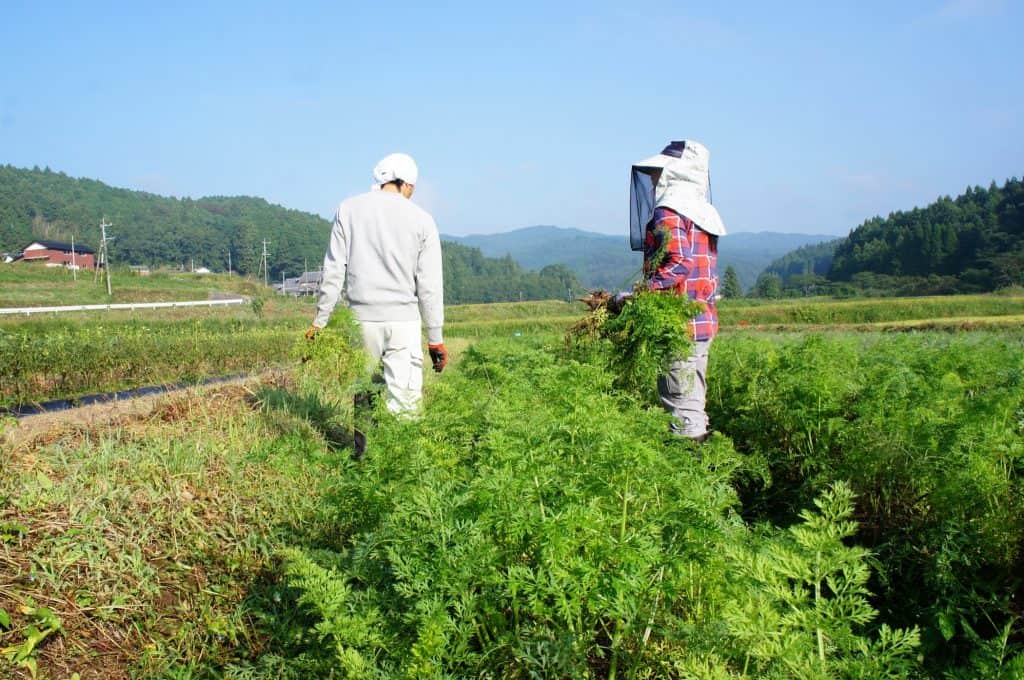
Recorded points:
(604, 261)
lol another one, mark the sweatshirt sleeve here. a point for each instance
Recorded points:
(335, 263)
(430, 285)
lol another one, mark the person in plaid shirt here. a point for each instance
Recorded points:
(680, 244)
(688, 265)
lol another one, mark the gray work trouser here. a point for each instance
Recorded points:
(683, 391)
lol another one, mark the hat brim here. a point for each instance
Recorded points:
(654, 162)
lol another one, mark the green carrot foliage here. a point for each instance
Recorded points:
(641, 341)
(537, 522)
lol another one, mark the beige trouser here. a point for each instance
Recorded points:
(397, 346)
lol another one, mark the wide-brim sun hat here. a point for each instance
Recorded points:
(684, 185)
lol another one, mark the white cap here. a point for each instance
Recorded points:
(396, 166)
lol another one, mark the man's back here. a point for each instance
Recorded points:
(385, 234)
(386, 251)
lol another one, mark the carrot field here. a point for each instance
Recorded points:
(856, 515)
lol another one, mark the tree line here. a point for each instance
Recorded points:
(971, 244)
(156, 230)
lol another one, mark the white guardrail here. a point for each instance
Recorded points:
(126, 305)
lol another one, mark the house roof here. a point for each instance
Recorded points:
(60, 245)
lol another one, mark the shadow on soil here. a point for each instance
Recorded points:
(322, 415)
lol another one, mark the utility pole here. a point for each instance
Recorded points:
(229, 261)
(105, 252)
(74, 263)
(263, 264)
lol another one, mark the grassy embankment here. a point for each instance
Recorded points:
(31, 286)
(938, 313)
(954, 311)
(225, 480)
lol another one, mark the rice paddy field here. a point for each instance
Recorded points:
(858, 512)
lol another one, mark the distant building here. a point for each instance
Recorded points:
(57, 254)
(201, 270)
(307, 284)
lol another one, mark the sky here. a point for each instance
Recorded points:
(817, 115)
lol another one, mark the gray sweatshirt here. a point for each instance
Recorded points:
(385, 251)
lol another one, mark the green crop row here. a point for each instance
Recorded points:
(929, 431)
(536, 522)
(48, 360)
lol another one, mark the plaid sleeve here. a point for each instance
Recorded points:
(668, 257)
(684, 259)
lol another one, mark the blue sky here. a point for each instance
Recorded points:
(817, 115)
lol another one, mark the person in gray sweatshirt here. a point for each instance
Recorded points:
(385, 253)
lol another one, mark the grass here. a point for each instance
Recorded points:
(219, 488)
(30, 286)
(503, 311)
(1007, 322)
(506, 319)
(875, 310)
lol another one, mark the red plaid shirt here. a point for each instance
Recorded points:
(688, 264)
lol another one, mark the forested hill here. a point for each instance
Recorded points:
(802, 270)
(599, 260)
(471, 277)
(974, 242)
(157, 230)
